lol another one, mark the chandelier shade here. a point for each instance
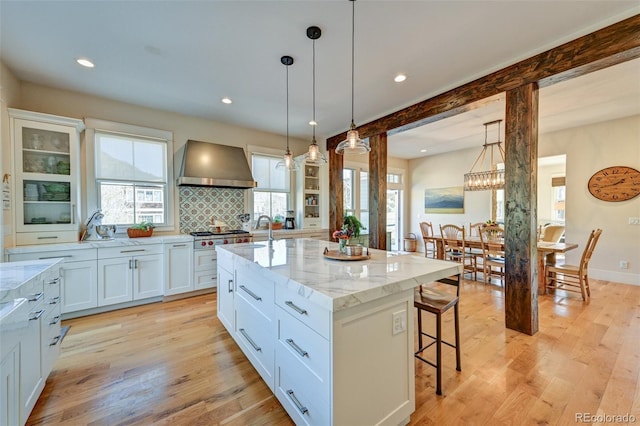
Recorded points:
(491, 177)
(287, 161)
(353, 144)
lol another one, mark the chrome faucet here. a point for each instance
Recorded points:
(270, 226)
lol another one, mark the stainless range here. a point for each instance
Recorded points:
(204, 254)
(208, 240)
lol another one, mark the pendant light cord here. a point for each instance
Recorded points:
(287, 74)
(353, 32)
(315, 124)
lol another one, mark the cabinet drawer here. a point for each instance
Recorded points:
(257, 340)
(110, 252)
(51, 339)
(205, 279)
(298, 306)
(31, 238)
(204, 260)
(298, 344)
(67, 255)
(305, 403)
(257, 291)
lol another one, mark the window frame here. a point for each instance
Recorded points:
(93, 126)
(274, 154)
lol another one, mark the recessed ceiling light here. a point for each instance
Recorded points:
(313, 123)
(226, 101)
(400, 78)
(423, 150)
(85, 62)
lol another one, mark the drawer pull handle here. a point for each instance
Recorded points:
(252, 294)
(36, 315)
(55, 257)
(246, 336)
(55, 341)
(230, 286)
(34, 297)
(299, 310)
(131, 251)
(297, 348)
(48, 238)
(54, 320)
(54, 281)
(54, 300)
(300, 407)
(179, 245)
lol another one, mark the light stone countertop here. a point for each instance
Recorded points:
(117, 242)
(15, 274)
(299, 264)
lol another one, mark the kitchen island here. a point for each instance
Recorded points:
(333, 340)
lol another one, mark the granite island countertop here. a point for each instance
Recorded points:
(300, 265)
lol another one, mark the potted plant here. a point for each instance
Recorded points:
(351, 227)
(142, 229)
(278, 221)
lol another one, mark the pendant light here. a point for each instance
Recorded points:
(353, 144)
(491, 178)
(313, 155)
(287, 162)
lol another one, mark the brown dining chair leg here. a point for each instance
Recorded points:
(419, 328)
(439, 354)
(457, 329)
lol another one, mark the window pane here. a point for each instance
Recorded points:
(270, 203)
(125, 158)
(364, 191)
(348, 189)
(279, 204)
(261, 203)
(265, 173)
(116, 202)
(261, 171)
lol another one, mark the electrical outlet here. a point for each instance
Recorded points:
(624, 264)
(399, 321)
(634, 221)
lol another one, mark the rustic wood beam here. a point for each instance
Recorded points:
(521, 174)
(336, 190)
(608, 46)
(378, 192)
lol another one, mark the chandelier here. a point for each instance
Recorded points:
(491, 178)
(287, 162)
(353, 144)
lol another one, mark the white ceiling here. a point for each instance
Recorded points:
(184, 56)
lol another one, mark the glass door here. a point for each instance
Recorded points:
(394, 210)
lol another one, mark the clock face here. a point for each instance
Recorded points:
(616, 183)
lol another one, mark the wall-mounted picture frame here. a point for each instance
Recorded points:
(444, 200)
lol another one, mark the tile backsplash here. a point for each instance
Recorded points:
(198, 204)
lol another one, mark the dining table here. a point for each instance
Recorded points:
(547, 252)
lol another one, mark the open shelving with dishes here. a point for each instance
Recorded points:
(308, 197)
(46, 168)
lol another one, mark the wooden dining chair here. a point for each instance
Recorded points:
(437, 301)
(455, 247)
(573, 278)
(493, 259)
(430, 243)
(474, 231)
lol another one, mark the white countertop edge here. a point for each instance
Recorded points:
(117, 242)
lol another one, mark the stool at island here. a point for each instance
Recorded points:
(438, 302)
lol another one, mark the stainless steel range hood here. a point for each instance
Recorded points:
(210, 164)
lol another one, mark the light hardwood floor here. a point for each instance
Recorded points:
(173, 363)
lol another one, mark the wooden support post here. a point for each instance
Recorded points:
(336, 189)
(378, 192)
(521, 174)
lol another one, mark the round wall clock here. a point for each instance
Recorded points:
(617, 183)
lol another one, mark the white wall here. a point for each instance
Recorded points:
(588, 149)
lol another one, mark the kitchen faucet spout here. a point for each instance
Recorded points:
(264, 216)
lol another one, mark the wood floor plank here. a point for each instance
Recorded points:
(174, 364)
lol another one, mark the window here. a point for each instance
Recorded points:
(131, 174)
(271, 197)
(356, 195)
(559, 192)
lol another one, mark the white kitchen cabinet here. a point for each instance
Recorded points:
(47, 170)
(226, 290)
(129, 273)
(308, 183)
(204, 269)
(10, 376)
(178, 258)
(78, 273)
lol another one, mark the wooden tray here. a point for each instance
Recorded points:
(336, 255)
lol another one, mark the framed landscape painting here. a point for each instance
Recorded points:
(444, 200)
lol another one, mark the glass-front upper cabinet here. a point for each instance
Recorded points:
(47, 174)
